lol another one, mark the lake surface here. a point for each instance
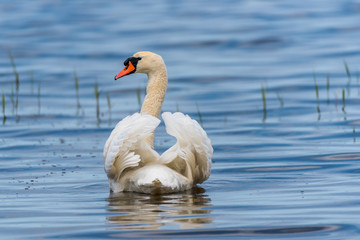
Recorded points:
(274, 83)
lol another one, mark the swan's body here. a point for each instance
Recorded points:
(132, 164)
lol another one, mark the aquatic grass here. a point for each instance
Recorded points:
(280, 99)
(336, 100)
(17, 82)
(177, 107)
(31, 82)
(343, 100)
(328, 88)
(38, 98)
(263, 95)
(16, 74)
(76, 81)
(12, 98)
(354, 135)
(138, 95)
(199, 114)
(357, 81)
(3, 103)
(348, 76)
(317, 96)
(3, 108)
(108, 101)
(97, 96)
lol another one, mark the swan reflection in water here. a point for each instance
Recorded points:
(135, 211)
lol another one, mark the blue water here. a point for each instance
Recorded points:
(270, 82)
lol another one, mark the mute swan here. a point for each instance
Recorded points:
(130, 161)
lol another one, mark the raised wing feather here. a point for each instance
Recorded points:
(191, 155)
(126, 147)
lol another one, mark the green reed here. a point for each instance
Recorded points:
(354, 134)
(3, 108)
(263, 95)
(199, 114)
(280, 99)
(12, 98)
(17, 82)
(32, 82)
(38, 98)
(3, 103)
(177, 107)
(108, 101)
(357, 81)
(328, 88)
(348, 76)
(97, 96)
(343, 100)
(138, 95)
(76, 82)
(317, 96)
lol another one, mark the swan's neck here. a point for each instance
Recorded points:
(156, 89)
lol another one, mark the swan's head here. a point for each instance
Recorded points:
(141, 62)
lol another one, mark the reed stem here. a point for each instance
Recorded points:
(76, 81)
(317, 97)
(199, 114)
(38, 98)
(348, 76)
(328, 88)
(263, 95)
(32, 82)
(109, 105)
(138, 95)
(280, 99)
(343, 100)
(17, 82)
(3, 108)
(97, 95)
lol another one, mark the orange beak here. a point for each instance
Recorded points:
(126, 71)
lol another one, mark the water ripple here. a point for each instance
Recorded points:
(340, 157)
(240, 232)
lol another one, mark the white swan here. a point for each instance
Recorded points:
(131, 163)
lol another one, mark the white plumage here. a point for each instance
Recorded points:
(130, 161)
(132, 165)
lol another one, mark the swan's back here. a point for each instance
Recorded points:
(126, 149)
(132, 165)
(192, 152)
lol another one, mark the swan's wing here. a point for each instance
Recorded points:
(126, 147)
(191, 155)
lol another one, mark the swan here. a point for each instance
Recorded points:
(130, 161)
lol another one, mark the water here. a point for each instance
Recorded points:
(285, 164)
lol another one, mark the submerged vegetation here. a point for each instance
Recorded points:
(343, 100)
(38, 98)
(3, 108)
(17, 84)
(138, 96)
(322, 83)
(317, 96)
(109, 105)
(263, 96)
(97, 95)
(199, 115)
(76, 80)
(348, 76)
(328, 88)
(339, 92)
